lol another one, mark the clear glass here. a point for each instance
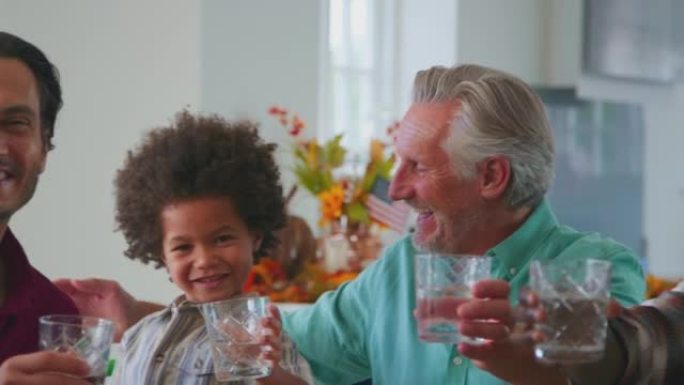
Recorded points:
(234, 328)
(88, 337)
(443, 283)
(574, 297)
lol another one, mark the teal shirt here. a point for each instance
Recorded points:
(365, 328)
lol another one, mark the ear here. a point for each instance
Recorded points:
(495, 174)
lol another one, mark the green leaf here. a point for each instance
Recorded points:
(300, 155)
(357, 212)
(333, 152)
(326, 180)
(308, 179)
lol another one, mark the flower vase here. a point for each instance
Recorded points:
(336, 249)
(349, 246)
(365, 244)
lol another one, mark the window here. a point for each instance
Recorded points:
(358, 97)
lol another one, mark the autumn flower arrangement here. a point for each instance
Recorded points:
(268, 278)
(316, 168)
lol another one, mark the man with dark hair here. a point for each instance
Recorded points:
(30, 98)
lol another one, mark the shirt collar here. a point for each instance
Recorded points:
(182, 304)
(514, 251)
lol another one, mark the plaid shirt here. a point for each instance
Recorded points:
(653, 338)
(171, 347)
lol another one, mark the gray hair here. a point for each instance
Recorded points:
(498, 114)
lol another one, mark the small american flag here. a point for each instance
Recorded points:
(382, 209)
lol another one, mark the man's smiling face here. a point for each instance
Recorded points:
(22, 151)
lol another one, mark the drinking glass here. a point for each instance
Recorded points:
(234, 328)
(574, 296)
(443, 283)
(90, 338)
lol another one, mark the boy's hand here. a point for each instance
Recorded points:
(271, 339)
(44, 368)
(507, 354)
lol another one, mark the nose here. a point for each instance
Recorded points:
(205, 258)
(400, 187)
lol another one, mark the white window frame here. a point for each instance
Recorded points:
(382, 80)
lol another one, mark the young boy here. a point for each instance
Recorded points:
(201, 198)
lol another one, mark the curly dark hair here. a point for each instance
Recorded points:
(198, 156)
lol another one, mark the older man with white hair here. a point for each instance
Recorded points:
(476, 155)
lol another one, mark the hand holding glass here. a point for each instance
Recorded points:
(443, 283)
(88, 337)
(574, 297)
(234, 327)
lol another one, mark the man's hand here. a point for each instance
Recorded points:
(44, 368)
(507, 355)
(106, 299)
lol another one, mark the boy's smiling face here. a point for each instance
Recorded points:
(207, 248)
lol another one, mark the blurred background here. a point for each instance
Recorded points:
(609, 72)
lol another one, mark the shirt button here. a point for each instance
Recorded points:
(159, 358)
(512, 270)
(458, 361)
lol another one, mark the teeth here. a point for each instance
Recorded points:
(3, 175)
(209, 279)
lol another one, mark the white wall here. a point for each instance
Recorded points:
(427, 37)
(538, 40)
(126, 66)
(258, 53)
(561, 49)
(503, 34)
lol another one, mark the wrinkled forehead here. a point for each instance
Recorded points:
(425, 126)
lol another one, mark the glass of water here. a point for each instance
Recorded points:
(574, 296)
(443, 283)
(234, 328)
(90, 338)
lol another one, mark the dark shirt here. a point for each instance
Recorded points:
(29, 295)
(653, 338)
(645, 346)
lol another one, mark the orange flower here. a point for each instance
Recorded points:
(656, 285)
(331, 200)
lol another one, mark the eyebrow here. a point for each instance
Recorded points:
(178, 238)
(17, 110)
(224, 228)
(183, 238)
